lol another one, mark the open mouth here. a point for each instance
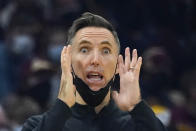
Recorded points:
(94, 76)
(95, 80)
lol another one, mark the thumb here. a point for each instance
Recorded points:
(115, 95)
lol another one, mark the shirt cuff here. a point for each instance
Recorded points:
(142, 109)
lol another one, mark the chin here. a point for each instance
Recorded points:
(95, 88)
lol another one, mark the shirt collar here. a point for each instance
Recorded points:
(86, 110)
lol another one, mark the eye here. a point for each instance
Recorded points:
(106, 51)
(84, 50)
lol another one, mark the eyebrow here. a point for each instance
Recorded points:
(106, 43)
(102, 43)
(84, 42)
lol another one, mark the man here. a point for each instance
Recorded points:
(89, 64)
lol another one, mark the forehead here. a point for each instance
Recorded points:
(93, 34)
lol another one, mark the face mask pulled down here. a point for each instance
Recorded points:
(92, 98)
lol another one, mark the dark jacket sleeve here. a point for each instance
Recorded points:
(52, 120)
(144, 119)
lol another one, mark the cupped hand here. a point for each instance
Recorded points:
(129, 70)
(67, 89)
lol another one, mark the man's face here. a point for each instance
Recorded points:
(94, 56)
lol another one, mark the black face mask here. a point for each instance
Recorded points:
(92, 98)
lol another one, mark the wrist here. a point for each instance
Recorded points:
(134, 105)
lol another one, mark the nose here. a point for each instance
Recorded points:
(95, 58)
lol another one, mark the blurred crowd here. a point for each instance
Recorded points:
(33, 32)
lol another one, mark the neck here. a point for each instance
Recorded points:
(98, 108)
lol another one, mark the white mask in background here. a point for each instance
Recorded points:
(22, 44)
(54, 52)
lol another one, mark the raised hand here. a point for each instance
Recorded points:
(67, 89)
(129, 70)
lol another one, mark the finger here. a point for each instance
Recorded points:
(63, 56)
(127, 58)
(121, 65)
(74, 89)
(134, 58)
(68, 57)
(138, 67)
(62, 53)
